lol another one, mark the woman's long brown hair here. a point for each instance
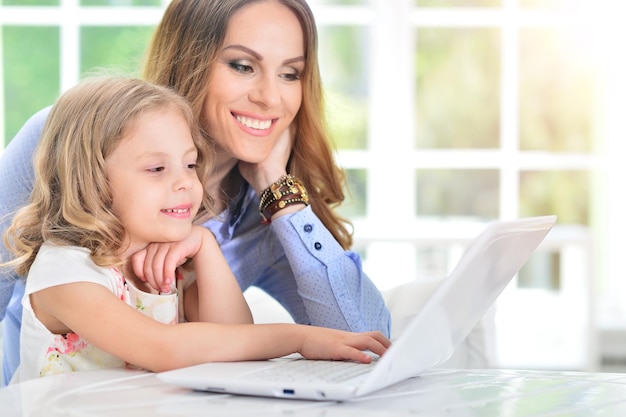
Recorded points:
(181, 55)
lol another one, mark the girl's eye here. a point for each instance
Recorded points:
(240, 68)
(192, 166)
(156, 169)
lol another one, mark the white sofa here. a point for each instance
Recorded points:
(403, 301)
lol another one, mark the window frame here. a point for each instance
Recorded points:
(391, 186)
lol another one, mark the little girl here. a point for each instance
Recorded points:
(117, 175)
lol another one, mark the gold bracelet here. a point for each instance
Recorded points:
(286, 191)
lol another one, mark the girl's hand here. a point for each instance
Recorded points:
(331, 344)
(156, 264)
(262, 174)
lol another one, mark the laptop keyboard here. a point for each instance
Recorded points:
(312, 371)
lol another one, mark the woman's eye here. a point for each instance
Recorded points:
(241, 68)
(291, 77)
(192, 166)
(156, 169)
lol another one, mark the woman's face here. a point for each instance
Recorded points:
(254, 90)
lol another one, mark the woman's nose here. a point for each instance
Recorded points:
(266, 92)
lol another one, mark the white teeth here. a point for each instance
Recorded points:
(254, 123)
(179, 211)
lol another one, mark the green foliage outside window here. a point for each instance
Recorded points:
(345, 71)
(29, 2)
(458, 193)
(565, 193)
(356, 194)
(458, 88)
(116, 48)
(120, 2)
(556, 105)
(458, 3)
(344, 2)
(31, 68)
(458, 78)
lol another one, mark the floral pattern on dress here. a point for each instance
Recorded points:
(70, 352)
(161, 307)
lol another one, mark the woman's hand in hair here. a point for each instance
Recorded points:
(262, 174)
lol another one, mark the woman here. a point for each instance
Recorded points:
(250, 72)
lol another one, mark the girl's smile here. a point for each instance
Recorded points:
(181, 212)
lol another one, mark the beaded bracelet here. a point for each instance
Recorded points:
(286, 191)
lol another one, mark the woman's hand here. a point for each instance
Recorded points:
(262, 174)
(156, 264)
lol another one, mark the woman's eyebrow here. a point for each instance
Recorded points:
(294, 60)
(246, 50)
(258, 57)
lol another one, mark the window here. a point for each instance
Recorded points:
(446, 114)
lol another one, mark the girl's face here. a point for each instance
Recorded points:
(255, 91)
(153, 179)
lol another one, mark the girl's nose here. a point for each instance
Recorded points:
(183, 181)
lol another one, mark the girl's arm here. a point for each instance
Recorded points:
(215, 296)
(97, 315)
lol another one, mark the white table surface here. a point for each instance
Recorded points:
(484, 393)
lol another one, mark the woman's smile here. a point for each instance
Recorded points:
(255, 126)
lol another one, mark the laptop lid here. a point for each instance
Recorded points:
(441, 324)
(459, 302)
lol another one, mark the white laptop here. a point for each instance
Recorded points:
(436, 330)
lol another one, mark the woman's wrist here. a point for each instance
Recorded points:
(262, 180)
(288, 194)
(293, 208)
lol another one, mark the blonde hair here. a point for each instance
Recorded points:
(71, 201)
(182, 53)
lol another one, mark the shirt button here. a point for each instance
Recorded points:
(318, 245)
(308, 228)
